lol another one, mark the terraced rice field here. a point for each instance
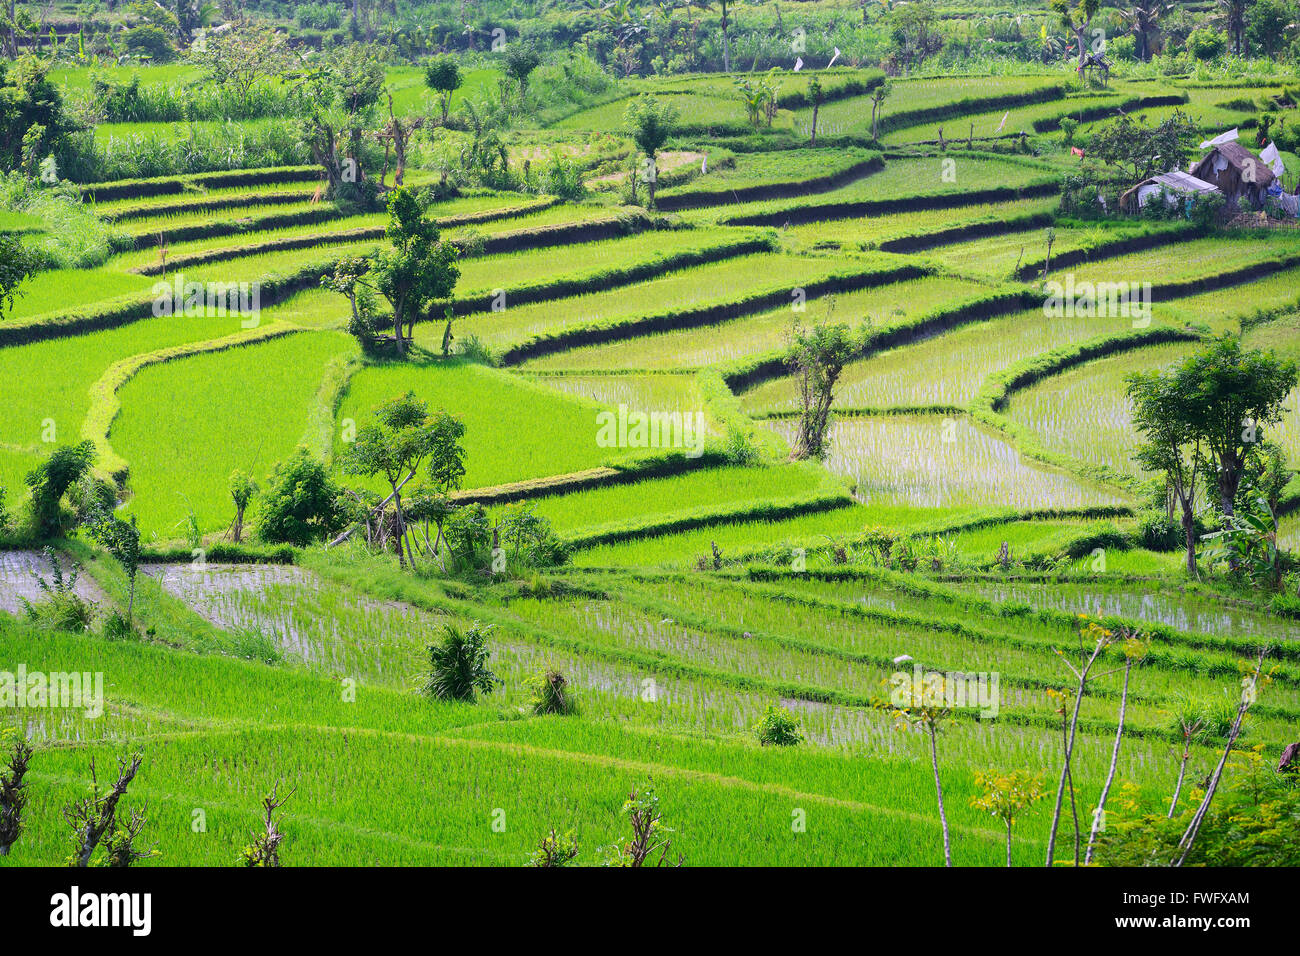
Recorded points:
(974, 500)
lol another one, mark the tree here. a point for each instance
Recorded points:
(442, 75)
(264, 851)
(242, 490)
(1134, 651)
(1170, 446)
(817, 357)
(30, 104)
(241, 58)
(1232, 14)
(649, 835)
(13, 794)
(1140, 151)
(300, 504)
(1007, 796)
(1143, 19)
(395, 446)
(16, 264)
(95, 820)
(922, 706)
(520, 60)
(121, 539)
(1229, 396)
(1271, 25)
(53, 478)
(417, 269)
(1101, 638)
(915, 31)
(459, 664)
(778, 727)
(1078, 21)
(395, 135)
(878, 97)
(815, 96)
(650, 125)
(337, 97)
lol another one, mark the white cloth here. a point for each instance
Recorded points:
(1274, 159)
(1228, 137)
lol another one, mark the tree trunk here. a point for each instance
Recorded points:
(1182, 773)
(397, 503)
(1114, 762)
(938, 789)
(1189, 536)
(1008, 843)
(813, 142)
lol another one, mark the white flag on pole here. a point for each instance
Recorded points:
(834, 58)
(1004, 120)
(798, 64)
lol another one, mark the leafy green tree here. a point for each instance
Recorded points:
(401, 439)
(459, 664)
(300, 504)
(51, 480)
(242, 491)
(1139, 151)
(650, 124)
(1007, 796)
(1231, 395)
(1143, 19)
(442, 75)
(816, 96)
(337, 95)
(1078, 20)
(30, 101)
(878, 97)
(521, 59)
(16, 264)
(1232, 14)
(417, 269)
(1170, 446)
(817, 357)
(1271, 26)
(121, 539)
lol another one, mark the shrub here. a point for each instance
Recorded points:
(564, 178)
(458, 666)
(61, 609)
(778, 727)
(51, 480)
(555, 851)
(300, 504)
(551, 694)
(469, 537)
(148, 41)
(1156, 531)
(1206, 43)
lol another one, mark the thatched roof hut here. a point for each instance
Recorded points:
(1241, 176)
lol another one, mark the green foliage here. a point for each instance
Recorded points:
(417, 268)
(458, 665)
(778, 727)
(552, 694)
(52, 480)
(121, 539)
(33, 120)
(300, 504)
(556, 850)
(16, 264)
(60, 609)
(817, 357)
(1138, 150)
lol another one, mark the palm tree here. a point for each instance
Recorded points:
(1143, 19)
(1233, 15)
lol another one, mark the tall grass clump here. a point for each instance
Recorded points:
(72, 237)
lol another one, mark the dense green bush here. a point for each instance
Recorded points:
(300, 504)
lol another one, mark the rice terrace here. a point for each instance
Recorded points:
(822, 433)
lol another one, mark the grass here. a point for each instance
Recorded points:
(720, 282)
(869, 232)
(738, 338)
(546, 434)
(1084, 411)
(942, 370)
(178, 419)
